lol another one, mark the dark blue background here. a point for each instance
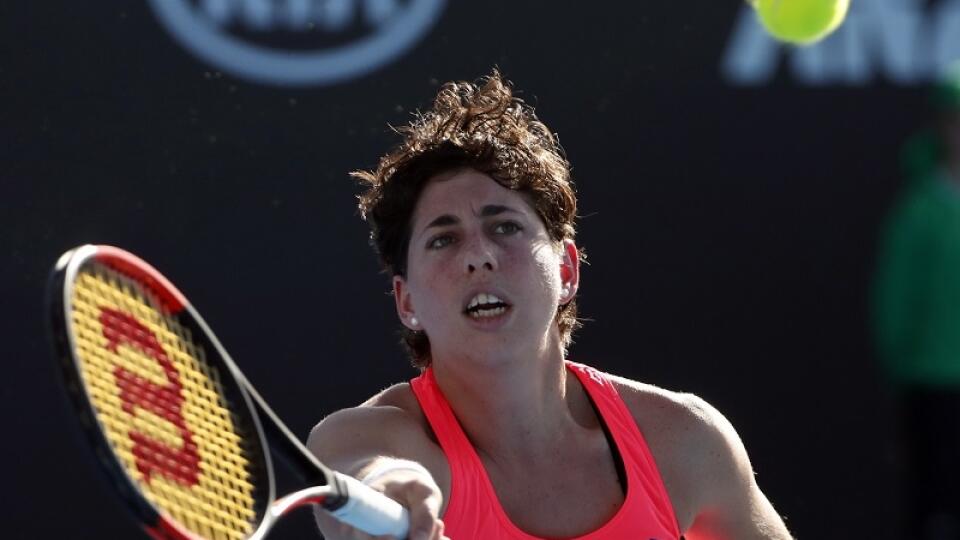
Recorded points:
(730, 230)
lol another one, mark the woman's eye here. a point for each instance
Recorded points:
(507, 227)
(438, 242)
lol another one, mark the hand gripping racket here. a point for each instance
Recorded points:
(181, 433)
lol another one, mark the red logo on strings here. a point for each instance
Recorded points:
(181, 465)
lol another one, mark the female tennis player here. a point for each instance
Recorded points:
(501, 436)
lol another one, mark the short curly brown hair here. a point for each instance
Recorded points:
(470, 125)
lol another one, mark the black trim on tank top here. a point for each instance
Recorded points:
(614, 450)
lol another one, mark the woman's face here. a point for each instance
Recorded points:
(483, 276)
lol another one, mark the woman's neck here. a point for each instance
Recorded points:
(512, 408)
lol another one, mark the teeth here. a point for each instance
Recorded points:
(484, 298)
(493, 312)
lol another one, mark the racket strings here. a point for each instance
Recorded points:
(162, 407)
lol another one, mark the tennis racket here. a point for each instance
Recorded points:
(179, 430)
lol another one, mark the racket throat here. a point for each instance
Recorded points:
(317, 495)
(339, 493)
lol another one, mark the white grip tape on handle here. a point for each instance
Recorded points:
(372, 511)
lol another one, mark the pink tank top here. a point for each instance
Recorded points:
(473, 510)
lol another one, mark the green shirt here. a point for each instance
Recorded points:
(917, 296)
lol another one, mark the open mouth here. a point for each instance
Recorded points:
(485, 305)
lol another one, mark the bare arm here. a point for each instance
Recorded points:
(383, 440)
(729, 503)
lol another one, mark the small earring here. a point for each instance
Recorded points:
(413, 321)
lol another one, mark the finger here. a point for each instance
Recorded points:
(424, 525)
(438, 531)
(423, 503)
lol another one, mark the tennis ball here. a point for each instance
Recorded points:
(800, 22)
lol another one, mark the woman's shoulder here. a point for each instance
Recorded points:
(382, 416)
(691, 441)
(389, 423)
(681, 422)
(393, 407)
(663, 408)
(399, 395)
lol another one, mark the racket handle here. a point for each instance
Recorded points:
(370, 510)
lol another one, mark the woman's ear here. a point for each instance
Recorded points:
(401, 297)
(569, 271)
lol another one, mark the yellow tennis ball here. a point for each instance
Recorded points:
(801, 22)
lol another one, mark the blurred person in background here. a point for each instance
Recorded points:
(917, 318)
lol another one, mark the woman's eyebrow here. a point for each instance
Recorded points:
(495, 209)
(487, 211)
(442, 221)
